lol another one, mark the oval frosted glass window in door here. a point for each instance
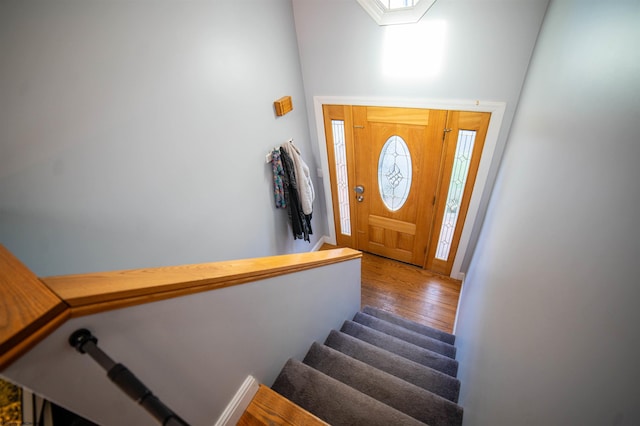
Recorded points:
(394, 173)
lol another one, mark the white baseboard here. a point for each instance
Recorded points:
(462, 277)
(239, 403)
(320, 242)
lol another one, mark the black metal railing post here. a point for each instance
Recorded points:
(85, 342)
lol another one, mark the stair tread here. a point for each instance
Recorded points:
(400, 347)
(270, 408)
(333, 401)
(405, 334)
(406, 397)
(410, 325)
(420, 375)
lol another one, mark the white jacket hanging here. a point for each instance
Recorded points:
(303, 178)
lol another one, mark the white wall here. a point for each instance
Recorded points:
(485, 47)
(548, 329)
(193, 352)
(134, 133)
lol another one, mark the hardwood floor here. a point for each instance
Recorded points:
(409, 291)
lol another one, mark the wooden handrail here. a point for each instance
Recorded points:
(29, 310)
(96, 292)
(33, 307)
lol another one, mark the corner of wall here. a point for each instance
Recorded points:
(239, 402)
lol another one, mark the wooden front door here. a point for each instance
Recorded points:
(390, 171)
(397, 158)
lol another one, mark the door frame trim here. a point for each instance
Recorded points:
(497, 110)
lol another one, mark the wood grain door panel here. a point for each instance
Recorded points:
(402, 234)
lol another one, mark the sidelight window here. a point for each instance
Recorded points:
(342, 181)
(460, 171)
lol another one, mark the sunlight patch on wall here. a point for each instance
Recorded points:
(414, 51)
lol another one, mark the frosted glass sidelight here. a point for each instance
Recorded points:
(394, 173)
(459, 173)
(342, 181)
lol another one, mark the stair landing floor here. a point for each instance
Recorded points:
(410, 291)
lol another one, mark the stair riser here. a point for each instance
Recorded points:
(399, 347)
(400, 332)
(333, 401)
(377, 370)
(410, 325)
(410, 371)
(418, 403)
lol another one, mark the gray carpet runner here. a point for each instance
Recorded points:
(410, 371)
(400, 332)
(410, 325)
(400, 347)
(379, 369)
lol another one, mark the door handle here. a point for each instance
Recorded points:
(359, 191)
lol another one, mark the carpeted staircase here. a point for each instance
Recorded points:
(379, 369)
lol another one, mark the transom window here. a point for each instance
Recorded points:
(389, 12)
(397, 4)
